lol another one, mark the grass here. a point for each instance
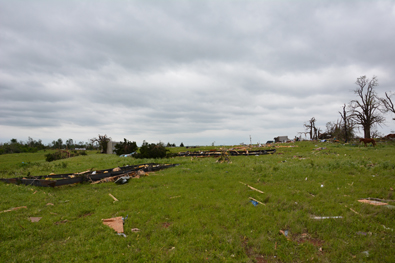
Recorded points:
(199, 211)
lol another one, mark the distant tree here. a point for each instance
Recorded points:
(337, 130)
(57, 144)
(60, 143)
(365, 110)
(125, 147)
(333, 129)
(388, 105)
(347, 124)
(39, 144)
(102, 140)
(182, 145)
(30, 141)
(17, 147)
(90, 146)
(313, 131)
(168, 144)
(69, 143)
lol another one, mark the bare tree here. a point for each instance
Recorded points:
(366, 111)
(102, 140)
(388, 105)
(312, 129)
(347, 123)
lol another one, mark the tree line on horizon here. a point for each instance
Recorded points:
(31, 145)
(100, 143)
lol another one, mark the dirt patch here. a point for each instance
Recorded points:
(88, 214)
(85, 215)
(166, 224)
(306, 238)
(61, 222)
(250, 251)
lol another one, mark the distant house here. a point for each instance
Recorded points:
(281, 139)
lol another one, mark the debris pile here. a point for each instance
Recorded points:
(108, 175)
(228, 152)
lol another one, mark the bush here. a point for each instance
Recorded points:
(152, 151)
(49, 157)
(125, 147)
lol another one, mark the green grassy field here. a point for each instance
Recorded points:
(200, 212)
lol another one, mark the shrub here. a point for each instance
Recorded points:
(49, 157)
(151, 151)
(125, 147)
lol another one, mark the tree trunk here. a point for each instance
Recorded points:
(345, 132)
(366, 131)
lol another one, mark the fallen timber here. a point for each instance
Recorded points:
(229, 152)
(87, 176)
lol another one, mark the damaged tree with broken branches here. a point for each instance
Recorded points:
(388, 105)
(365, 110)
(102, 140)
(348, 125)
(310, 127)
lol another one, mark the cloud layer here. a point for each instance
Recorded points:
(186, 71)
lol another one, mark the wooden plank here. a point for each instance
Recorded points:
(252, 188)
(257, 201)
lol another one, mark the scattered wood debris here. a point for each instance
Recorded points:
(115, 200)
(13, 209)
(325, 217)
(257, 201)
(115, 223)
(372, 202)
(252, 188)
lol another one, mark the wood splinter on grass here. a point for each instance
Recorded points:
(12, 209)
(325, 217)
(257, 201)
(354, 211)
(113, 197)
(252, 188)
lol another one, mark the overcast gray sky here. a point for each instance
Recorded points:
(187, 71)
